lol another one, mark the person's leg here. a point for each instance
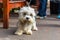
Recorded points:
(42, 9)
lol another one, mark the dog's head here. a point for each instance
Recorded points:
(27, 14)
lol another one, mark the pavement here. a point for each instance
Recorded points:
(48, 29)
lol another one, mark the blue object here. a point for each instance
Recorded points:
(42, 8)
(58, 16)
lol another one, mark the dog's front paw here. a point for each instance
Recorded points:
(19, 33)
(29, 32)
(35, 29)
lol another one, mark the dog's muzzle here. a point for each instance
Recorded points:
(27, 18)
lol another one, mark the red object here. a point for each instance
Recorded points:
(7, 6)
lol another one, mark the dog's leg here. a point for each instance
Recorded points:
(19, 32)
(28, 30)
(34, 26)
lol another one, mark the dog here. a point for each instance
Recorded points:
(26, 21)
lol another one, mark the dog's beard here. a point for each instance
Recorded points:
(22, 21)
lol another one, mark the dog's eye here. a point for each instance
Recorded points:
(31, 15)
(24, 13)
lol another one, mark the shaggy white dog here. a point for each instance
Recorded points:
(26, 21)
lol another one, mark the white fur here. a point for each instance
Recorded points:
(24, 24)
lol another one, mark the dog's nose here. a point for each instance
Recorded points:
(27, 18)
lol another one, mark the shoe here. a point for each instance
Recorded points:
(41, 17)
(37, 16)
(45, 16)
